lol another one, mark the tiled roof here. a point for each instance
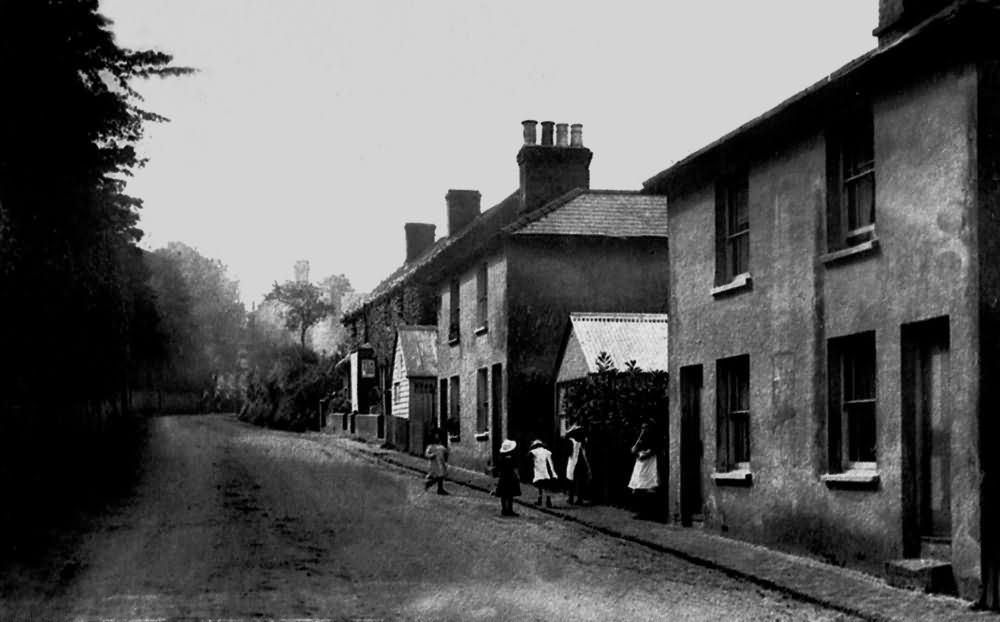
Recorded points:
(419, 345)
(480, 230)
(608, 213)
(639, 337)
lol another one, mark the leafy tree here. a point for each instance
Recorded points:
(304, 306)
(78, 312)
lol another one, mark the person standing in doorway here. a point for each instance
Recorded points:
(508, 484)
(544, 471)
(437, 458)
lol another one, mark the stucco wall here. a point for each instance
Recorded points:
(474, 350)
(797, 302)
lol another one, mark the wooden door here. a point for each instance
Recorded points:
(422, 410)
(691, 444)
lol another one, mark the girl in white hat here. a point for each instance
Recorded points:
(545, 477)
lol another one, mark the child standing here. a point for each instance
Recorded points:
(508, 485)
(544, 478)
(437, 468)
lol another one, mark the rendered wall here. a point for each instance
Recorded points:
(922, 269)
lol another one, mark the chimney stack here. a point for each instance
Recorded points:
(549, 170)
(419, 237)
(463, 208)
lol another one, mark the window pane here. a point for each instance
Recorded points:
(861, 201)
(861, 432)
(859, 373)
(739, 254)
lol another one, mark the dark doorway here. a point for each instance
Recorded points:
(926, 438)
(691, 445)
(496, 410)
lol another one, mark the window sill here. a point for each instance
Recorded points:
(739, 477)
(739, 282)
(869, 246)
(454, 439)
(483, 436)
(481, 330)
(852, 479)
(453, 341)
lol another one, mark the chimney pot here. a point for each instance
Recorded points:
(530, 131)
(562, 134)
(576, 135)
(547, 133)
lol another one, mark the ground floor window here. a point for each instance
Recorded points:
(852, 412)
(482, 400)
(733, 430)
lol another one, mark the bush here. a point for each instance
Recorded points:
(287, 395)
(611, 406)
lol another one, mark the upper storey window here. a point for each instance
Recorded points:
(851, 183)
(732, 228)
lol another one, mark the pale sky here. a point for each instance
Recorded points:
(317, 128)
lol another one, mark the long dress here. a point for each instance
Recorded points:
(508, 484)
(577, 467)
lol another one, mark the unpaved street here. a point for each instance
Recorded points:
(231, 521)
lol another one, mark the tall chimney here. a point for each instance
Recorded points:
(419, 237)
(549, 171)
(576, 135)
(547, 133)
(463, 207)
(562, 134)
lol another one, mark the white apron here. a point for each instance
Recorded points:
(644, 474)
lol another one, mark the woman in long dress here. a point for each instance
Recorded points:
(577, 466)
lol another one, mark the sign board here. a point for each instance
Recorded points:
(367, 368)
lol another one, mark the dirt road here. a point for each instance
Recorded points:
(235, 522)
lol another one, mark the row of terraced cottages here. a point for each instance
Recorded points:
(464, 336)
(834, 305)
(835, 310)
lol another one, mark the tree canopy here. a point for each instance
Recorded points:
(71, 275)
(304, 306)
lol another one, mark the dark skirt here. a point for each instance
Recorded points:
(508, 486)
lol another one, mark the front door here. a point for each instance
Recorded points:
(691, 444)
(928, 431)
(422, 393)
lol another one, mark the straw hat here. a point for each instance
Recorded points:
(508, 446)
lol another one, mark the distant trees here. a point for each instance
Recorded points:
(202, 320)
(303, 306)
